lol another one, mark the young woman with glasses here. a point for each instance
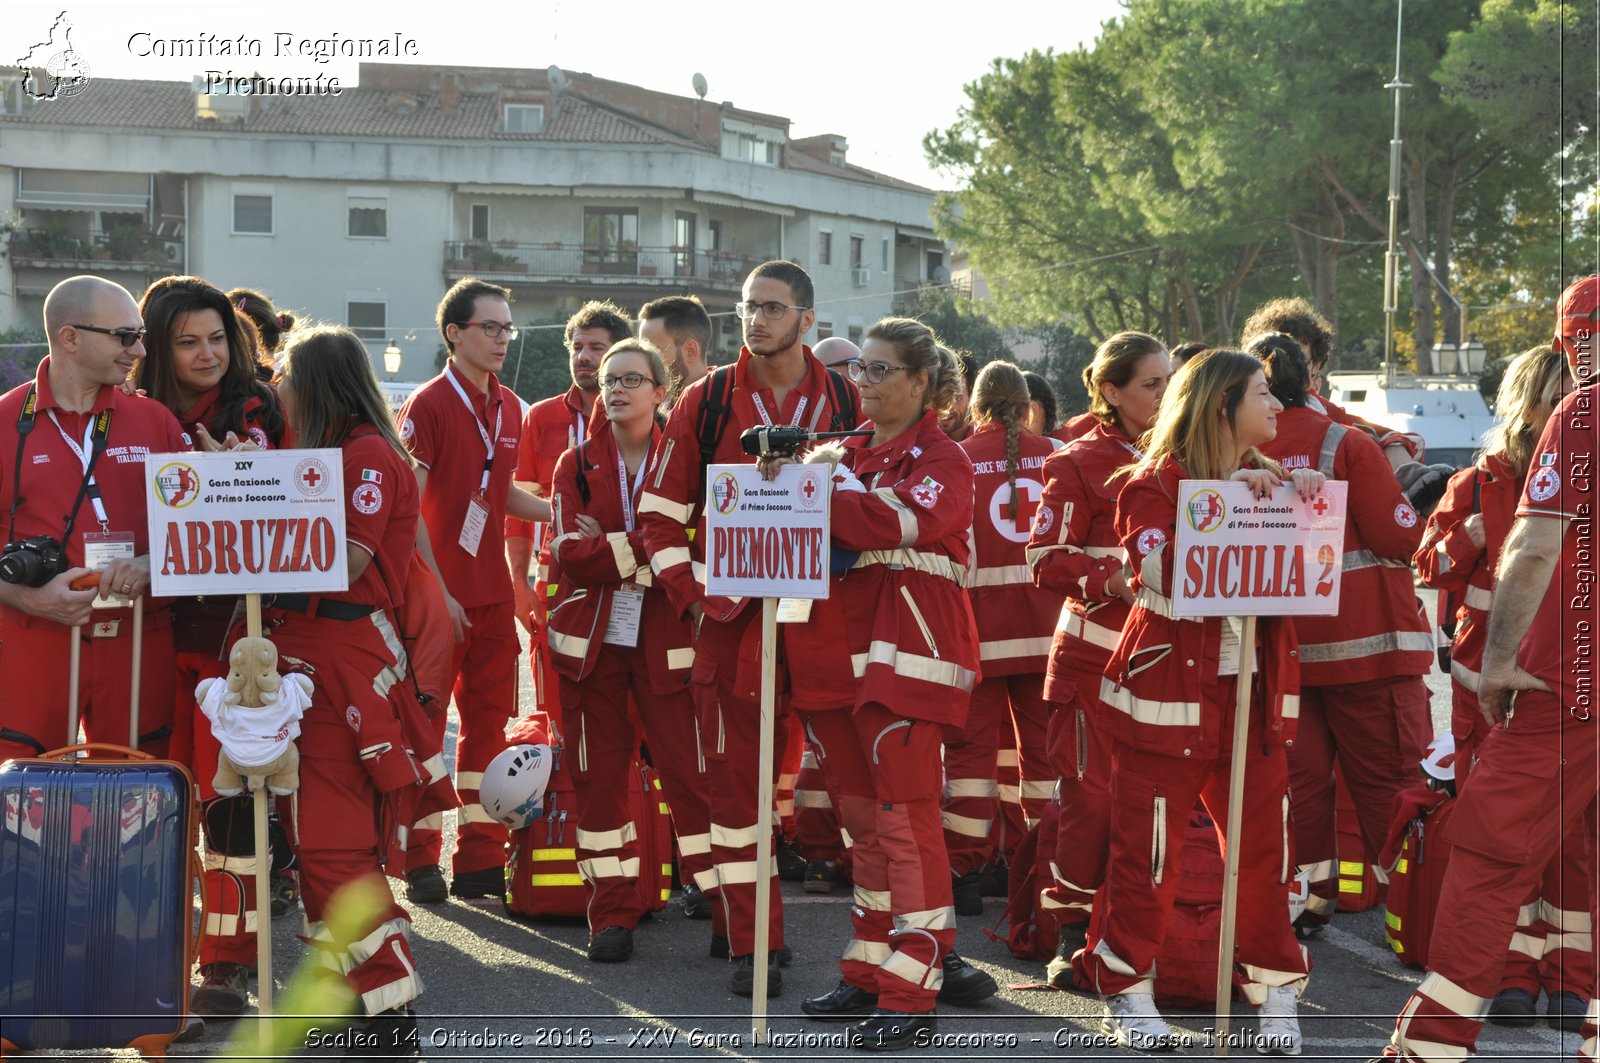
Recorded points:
(892, 656)
(613, 633)
(1167, 703)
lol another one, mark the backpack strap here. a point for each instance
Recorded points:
(1330, 447)
(843, 401)
(715, 410)
(583, 477)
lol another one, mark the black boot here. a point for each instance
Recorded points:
(964, 894)
(964, 985)
(889, 1031)
(846, 1003)
(1069, 940)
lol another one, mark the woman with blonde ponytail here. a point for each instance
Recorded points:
(1014, 618)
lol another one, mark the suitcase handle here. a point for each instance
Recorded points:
(98, 747)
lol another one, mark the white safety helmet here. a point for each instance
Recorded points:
(1299, 893)
(514, 784)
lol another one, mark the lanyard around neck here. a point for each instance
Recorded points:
(483, 433)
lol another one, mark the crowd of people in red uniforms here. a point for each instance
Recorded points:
(1003, 601)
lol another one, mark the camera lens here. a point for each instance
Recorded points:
(17, 566)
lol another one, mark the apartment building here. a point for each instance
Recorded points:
(363, 208)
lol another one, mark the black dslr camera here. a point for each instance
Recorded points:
(784, 440)
(32, 562)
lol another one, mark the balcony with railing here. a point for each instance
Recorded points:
(509, 262)
(125, 247)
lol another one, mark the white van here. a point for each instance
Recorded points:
(1448, 412)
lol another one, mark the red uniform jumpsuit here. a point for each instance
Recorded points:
(1362, 696)
(726, 682)
(550, 427)
(354, 756)
(1536, 776)
(892, 658)
(1016, 619)
(1169, 710)
(651, 660)
(1076, 427)
(57, 447)
(467, 439)
(199, 633)
(1072, 552)
(1549, 948)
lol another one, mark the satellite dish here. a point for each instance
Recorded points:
(700, 86)
(940, 275)
(558, 77)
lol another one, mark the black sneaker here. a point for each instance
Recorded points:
(791, 865)
(390, 1034)
(1069, 939)
(285, 894)
(1565, 1010)
(889, 1031)
(426, 885)
(194, 1029)
(846, 1003)
(965, 895)
(224, 991)
(821, 875)
(614, 944)
(744, 977)
(1308, 924)
(1514, 1007)
(488, 882)
(696, 902)
(719, 951)
(964, 985)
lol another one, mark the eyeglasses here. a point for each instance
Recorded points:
(630, 381)
(494, 329)
(129, 336)
(873, 372)
(771, 311)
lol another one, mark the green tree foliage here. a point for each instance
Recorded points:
(1209, 154)
(960, 325)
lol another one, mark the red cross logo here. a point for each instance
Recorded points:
(311, 477)
(1027, 508)
(809, 489)
(1320, 506)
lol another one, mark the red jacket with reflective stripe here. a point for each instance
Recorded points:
(899, 622)
(1162, 690)
(1448, 560)
(1379, 632)
(1015, 618)
(671, 512)
(593, 569)
(1074, 550)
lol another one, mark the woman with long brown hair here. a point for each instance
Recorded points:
(1074, 553)
(1168, 706)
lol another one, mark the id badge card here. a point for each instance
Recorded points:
(794, 610)
(99, 550)
(627, 609)
(472, 527)
(1228, 655)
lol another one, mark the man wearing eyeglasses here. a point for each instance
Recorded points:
(72, 472)
(776, 381)
(462, 427)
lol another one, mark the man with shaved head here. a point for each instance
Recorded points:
(835, 351)
(72, 449)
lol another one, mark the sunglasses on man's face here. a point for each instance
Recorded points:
(129, 336)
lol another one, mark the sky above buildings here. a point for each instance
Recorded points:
(879, 74)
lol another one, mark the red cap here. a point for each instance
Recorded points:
(1575, 314)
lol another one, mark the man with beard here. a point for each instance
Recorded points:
(776, 380)
(680, 328)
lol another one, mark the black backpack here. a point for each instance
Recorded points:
(716, 408)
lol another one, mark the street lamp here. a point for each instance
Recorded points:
(391, 359)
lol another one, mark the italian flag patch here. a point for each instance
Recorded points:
(371, 476)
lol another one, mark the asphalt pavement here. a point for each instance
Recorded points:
(499, 988)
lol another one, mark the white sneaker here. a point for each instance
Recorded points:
(1278, 1023)
(1133, 1020)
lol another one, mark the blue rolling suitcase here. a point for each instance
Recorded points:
(97, 868)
